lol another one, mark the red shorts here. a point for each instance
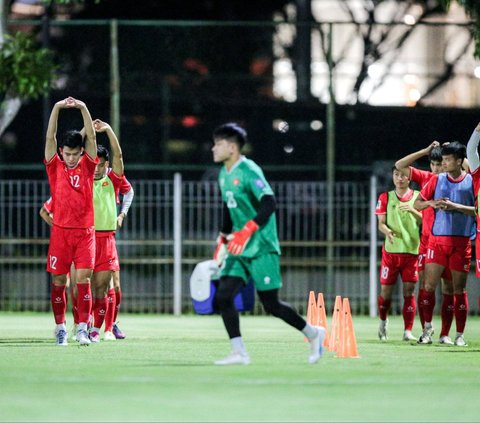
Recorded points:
(106, 257)
(70, 245)
(422, 255)
(394, 264)
(453, 257)
(477, 255)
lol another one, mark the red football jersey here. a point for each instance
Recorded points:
(125, 186)
(72, 192)
(421, 177)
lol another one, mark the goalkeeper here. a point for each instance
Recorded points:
(248, 244)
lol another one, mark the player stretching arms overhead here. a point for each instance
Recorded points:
(400, 223)
(114, 295)
(451, 195)
(72, 235)
(106, 187)
(249, 233)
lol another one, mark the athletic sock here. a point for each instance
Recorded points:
(118, 301)
(447, 313)
(428, 302)
(383, 307)
(99, 310)
(409, 310)
(461, 311)
(421, 292)
(309, 331)
(109, 315)
(59, 303)
(84, 302)
(237, 344)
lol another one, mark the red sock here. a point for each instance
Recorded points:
(409, 310)
(59, 303)
(428, 302)
(461, 311)
(447, 313)
(99, 310)
(420, 306)
(84, 302)
(73, 300)
(118, 301)
(109, 315)
(383, 307)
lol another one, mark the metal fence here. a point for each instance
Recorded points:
(147, 243)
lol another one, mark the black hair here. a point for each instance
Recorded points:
(232, 132)
(102, 153)
(394, 169)
(435, 154)
(458, 150)
(72, 139)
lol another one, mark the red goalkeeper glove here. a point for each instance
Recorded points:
(221, 249)
(238, 240)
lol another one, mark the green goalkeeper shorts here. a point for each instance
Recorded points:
(264, 270)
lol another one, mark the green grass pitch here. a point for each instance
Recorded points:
(163, 372)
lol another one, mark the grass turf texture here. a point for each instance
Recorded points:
(163, 372)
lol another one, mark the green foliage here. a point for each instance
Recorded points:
(25, 69)
(472, 8)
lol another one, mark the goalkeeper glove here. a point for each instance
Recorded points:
(221, 250)
(238, 240)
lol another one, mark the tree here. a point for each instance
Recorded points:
(472, 7)
(26, 71)
(384, 30)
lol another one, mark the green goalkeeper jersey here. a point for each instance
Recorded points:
(242, 189)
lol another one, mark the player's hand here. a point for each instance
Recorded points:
(221, 249)
(433, 145)
(100, 126)
(120, 218)
(238, 240)
(391, 237)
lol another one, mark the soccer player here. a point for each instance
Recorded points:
(105, 188)
(421, 177)
(114, 295)
(474, 163)
(249, 236)
(72, 235)
(400, 223)
(451, 194)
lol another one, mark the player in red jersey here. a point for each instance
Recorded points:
(421, 178)
(474, 163)
(451, 195)
(72, 235)
(112, 330)
(106, 191)
(400, 223)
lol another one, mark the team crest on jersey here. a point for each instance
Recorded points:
(236, 181)
(259, 183)
(105, 184)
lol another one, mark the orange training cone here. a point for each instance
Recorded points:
(312, 311)
(322, 317)
(335, 331)
(348, 344)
